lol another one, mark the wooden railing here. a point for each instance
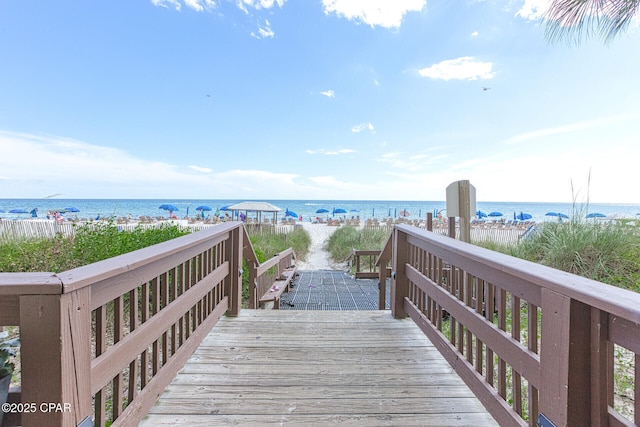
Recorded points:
(262, 276)
(364, 263)
(104, 340)
(533, 343)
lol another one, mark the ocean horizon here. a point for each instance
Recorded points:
(363, 209)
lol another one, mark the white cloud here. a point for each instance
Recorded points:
(200, 169)
(474, 34)
(572, 127)
(166, 3)
(197, 5)
(331, 152)
(328, 93)
(387, 14)
(533, 9)
(363, 126)
(264, 31)
(463, 68)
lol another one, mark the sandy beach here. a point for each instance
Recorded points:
(318, 258)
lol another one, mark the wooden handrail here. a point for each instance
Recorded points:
(120, 329)
(504, 322)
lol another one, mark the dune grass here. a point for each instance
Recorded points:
(347, 238)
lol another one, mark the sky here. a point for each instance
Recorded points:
(312, 99)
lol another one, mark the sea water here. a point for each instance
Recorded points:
(304, 209)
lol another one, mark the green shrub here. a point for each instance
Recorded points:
(608, 252)
(345, 239)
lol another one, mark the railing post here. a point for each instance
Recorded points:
(565, 360)
(399, 281)
(234, 281)
(56, 358)
(253, 288)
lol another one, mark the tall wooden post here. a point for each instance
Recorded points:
(565, 362)
(399, 281)
(55, 333)
(233, 283)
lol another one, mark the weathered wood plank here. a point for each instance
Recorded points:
(294, 367)
(346, 420)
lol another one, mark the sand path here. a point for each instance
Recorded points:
(318, 258)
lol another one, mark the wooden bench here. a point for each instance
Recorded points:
(280, 285)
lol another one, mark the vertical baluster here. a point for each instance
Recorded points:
(133, 322)
(454, 285)
(144, 357)
(502, 325)
(118, 324)
(101, 346)
(461, 297)
(516, 378)
(174, 295)
(532, 337)
(469, 302)
(636, 390)
(490, 303)
(181, 289)
(164, 295)
(480, 306)
(155, 307)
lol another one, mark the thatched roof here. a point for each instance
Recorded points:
(254, 206)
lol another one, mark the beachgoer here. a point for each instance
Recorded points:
(34, 213)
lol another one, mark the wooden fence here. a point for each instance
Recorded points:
(17, 230)
(533, 343)
(104, 340)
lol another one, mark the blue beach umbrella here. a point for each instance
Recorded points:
(495, 214)
(71, 209)
(561, 215)
(290, 213)
(168, 207)
(552, 214)
(354, 210)
(596, 215)
(481, 214)
(338, 211)
(18, 211)
(322, 210)
(204, 208)
(523, 216)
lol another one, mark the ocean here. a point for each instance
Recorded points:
(364, 209)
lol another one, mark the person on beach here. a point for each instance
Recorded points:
(34, 213)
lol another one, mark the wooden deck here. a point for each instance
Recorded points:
(270, 367)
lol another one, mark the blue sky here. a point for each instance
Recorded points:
(322, 99)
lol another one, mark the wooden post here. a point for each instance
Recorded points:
(234, 281)
(464, 205)
(253, 289)
(452, 227)
(565, 392)
(429, 221)
(399, 281)
(56, 358)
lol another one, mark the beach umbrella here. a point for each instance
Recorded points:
(552, 214)
(561, 215)
(481, 214)
(168, 207)
(290, 213)
(71, 209)
(596, 215)
(338, 211)
(18, 211)
(322, 210)
(404, 213)
(354, 210)
(495, 214)
(523, 216)
(204, 208)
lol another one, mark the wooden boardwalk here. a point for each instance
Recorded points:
(285, 367)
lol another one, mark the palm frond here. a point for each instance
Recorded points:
(573, 20)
